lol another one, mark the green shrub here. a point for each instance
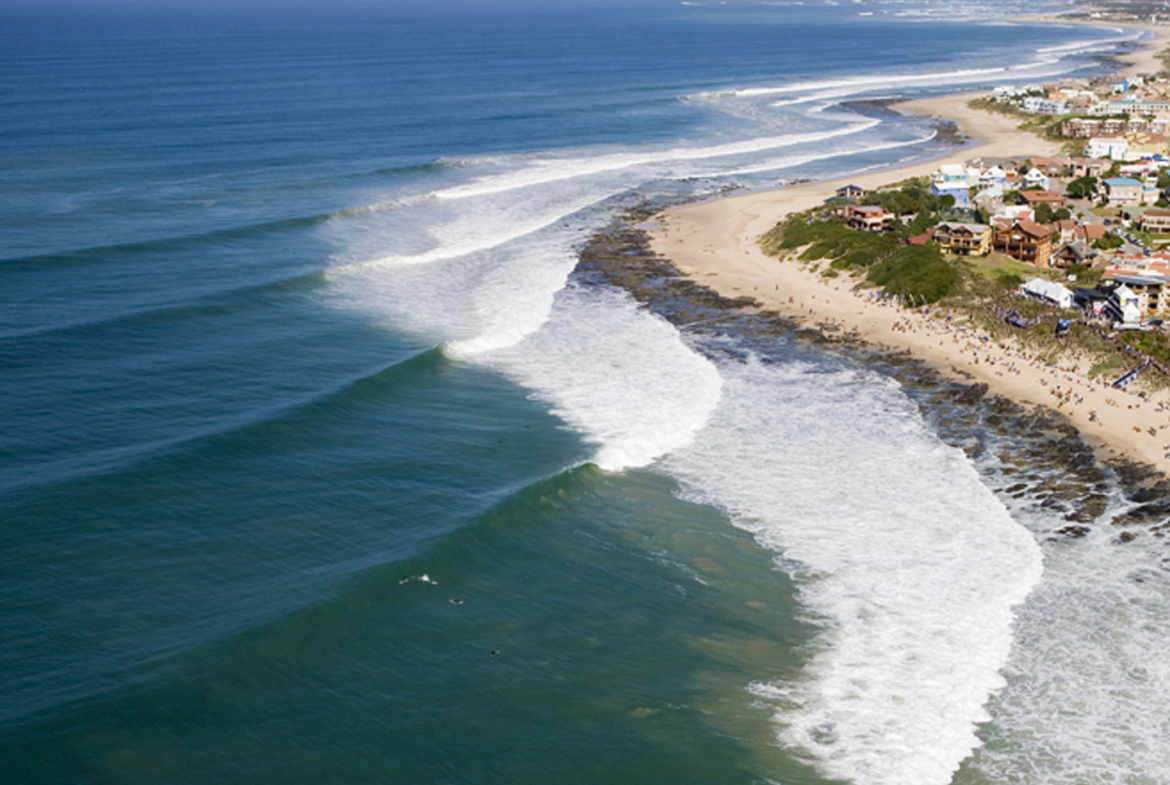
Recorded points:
(919, 272)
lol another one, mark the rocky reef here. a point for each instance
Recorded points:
(1030, 455)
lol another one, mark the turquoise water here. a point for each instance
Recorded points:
(319, 462)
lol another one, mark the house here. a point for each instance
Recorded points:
(1143, 144)
(963, 239)
(1036, 179)
(1132, 214)
(921, 239)
(1066, 230)
(1048, 291)
(1051, 167)
(993, 177)
(958, 189)
(850, 192)
(1157, 220)
(1081, 167)
(1107, 147)
(1078, 252)
(1123, 191)
(1037, 105)
(990, 200)
(1054, 199)
(1090, 233)
(1080, 128)
(1025, 241)
(950, 173)
(868, 218)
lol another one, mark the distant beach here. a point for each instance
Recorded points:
(716, 243)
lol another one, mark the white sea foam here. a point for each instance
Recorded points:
(777, 164)
(907, 562)
(475, 303)
(493, 210)
(546, 171)
(1046, 63)
(617, 373)
(1088, 695)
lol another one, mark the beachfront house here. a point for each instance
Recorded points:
(867, 218)
(1034, 104)
(957, 189)
(1123, 191)
(963, 239)
(850, 192)
(950, 173)
(1025, 241)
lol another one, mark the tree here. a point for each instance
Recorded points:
(1011, 197)
(1164, 177)
(1108, 242)
(1063, 214)
(1082, 187)
(1043, 213)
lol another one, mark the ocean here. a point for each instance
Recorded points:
(323, 460)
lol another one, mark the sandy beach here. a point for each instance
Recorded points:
(716, 243)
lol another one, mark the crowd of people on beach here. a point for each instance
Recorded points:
(974, 353)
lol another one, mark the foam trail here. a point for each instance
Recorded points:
(910, 566)
(563, 169)
(799, 160)
(514, 300)
(616, 373)
(857, 84)
(838, 88)
(1088, 697)
(492, 226)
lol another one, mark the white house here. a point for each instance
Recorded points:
(957, 189)
(950, 173)
(1107, 147)
(1036, 179)
(992, 178)
(1037, 105)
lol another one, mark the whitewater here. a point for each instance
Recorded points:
(929, 593)
(328, 456)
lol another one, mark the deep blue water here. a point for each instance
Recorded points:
(319, 464)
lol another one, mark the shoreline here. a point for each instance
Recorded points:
(715, 243)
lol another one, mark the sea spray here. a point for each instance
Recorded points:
(909, 564)
(619, 374)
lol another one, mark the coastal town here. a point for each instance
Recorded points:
(1057, 229)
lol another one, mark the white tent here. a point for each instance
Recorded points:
(1053, 292)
